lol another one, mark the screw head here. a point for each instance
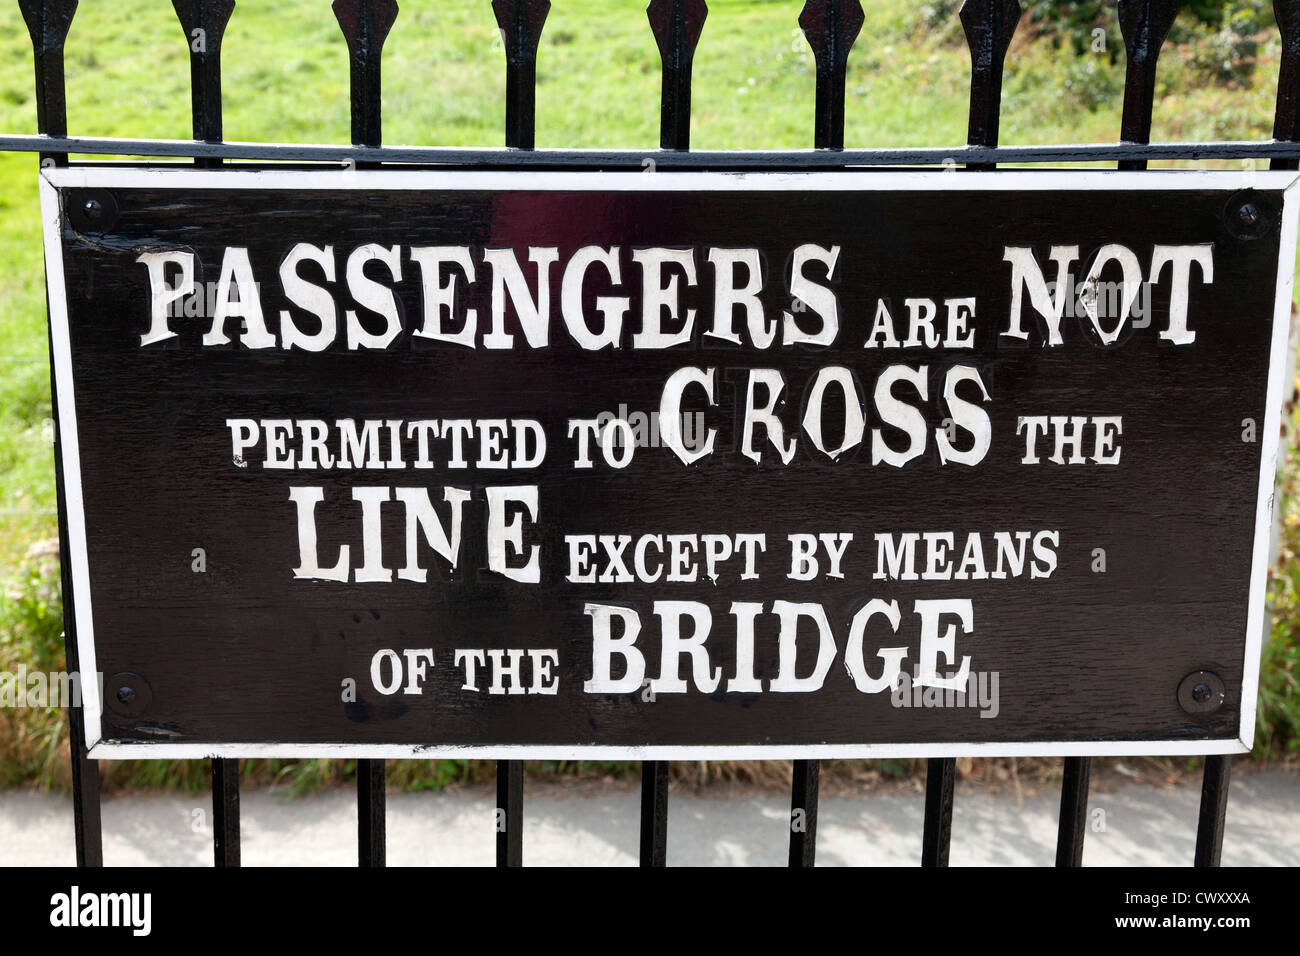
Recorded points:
(92, 210)
(1201, 693)
(131, 695)
(1249, 215)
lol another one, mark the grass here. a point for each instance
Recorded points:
(285, 79)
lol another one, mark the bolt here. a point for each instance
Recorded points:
(93, 209)
(126, 694)
(1201, 693)
(1248, 214)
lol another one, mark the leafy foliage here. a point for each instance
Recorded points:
(1277, 728)
(1223, 34)
(33, 740)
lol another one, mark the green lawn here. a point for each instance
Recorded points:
(285, 79)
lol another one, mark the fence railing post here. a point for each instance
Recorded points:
(48, 23)
(830, 27)
(1144, 25)
(204, 23)
(676, 25)
(365, 25)
(936, 832)
(1214, 809)
(225, 812)
(989, 26)
(372, 805)
(805, 785)
(654, 813)
(1071, 824)
(520, 23)
(510, 813)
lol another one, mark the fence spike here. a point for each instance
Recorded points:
(1286, 122)
(521, 22)
(831, 27)
(204, 23)
(48, 22)
(989, 26)
(1144, 24)
(677, 25)
(365, 25)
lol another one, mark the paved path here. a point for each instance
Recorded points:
(1143, 826)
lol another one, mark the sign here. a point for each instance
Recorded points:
(668, 465)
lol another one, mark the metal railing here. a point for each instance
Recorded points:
(831, 27)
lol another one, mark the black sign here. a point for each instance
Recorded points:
(668, 465)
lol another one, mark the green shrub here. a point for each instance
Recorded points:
(1091, 82)
(31, 612)
(1228, 54)
(1075, 22)
(33, 740)
(1277, 726)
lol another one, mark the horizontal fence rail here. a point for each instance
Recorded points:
(831, 28)
(614, 159)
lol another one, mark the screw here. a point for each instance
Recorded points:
(1248, 214)
(126, 694)
(1201, 692)
(93, 209)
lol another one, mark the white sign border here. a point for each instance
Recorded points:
(123, 176)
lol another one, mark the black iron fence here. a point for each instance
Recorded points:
(831, 27)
